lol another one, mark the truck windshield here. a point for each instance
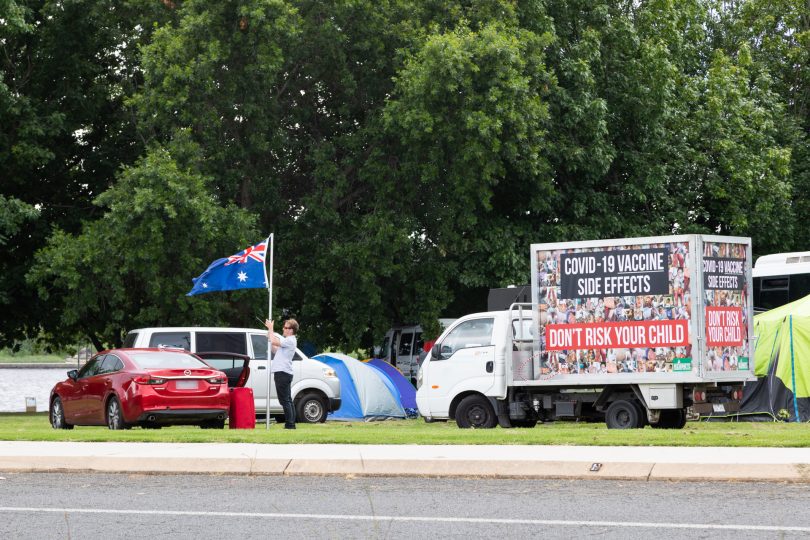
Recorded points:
(469, 334)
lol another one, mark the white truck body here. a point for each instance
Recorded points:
(622, 329)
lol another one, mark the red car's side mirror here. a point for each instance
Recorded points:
(73, 374)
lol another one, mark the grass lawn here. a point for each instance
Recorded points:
(35, 427)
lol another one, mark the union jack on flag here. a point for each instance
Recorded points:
(256, 253)
(245, 270)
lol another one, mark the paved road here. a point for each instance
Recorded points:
(77, 506)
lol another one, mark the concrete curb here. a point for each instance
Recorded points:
(490, 461)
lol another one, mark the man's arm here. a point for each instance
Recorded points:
(271, 336)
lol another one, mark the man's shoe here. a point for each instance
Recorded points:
(289, 427)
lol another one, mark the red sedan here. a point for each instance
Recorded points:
(148, 387)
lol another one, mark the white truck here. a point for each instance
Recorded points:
(629, 331)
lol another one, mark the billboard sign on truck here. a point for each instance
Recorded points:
(678, 305)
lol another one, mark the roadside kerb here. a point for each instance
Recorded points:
(457, 461)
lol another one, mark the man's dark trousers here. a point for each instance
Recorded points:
(283, 382)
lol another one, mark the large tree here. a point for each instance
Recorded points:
(405, 153)
(65, 68)
(159, 227)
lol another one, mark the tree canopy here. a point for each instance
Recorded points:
(404, 153)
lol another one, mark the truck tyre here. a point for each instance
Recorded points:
(310, 409)
(622, 414)
(475, 412)
(671, 419)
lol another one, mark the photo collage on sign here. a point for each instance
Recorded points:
(620, 309)
(726, 294)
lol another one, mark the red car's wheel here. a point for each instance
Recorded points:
(115, 416)
(58, 415)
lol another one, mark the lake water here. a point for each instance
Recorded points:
(16, 384)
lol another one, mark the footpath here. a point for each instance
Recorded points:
(451, 461)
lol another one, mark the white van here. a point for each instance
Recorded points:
(315, 386)
(403, 348)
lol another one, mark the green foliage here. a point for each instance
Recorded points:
(64, 69)
(405, 153)
(132, 267)
(13, 214)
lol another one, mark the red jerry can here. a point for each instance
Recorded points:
(243, 411)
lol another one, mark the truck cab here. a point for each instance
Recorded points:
(467, 364)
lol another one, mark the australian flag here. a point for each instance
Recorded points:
(245, 270)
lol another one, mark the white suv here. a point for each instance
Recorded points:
(315, 387)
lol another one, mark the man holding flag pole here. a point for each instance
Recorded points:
(282, 368)
(246, 270)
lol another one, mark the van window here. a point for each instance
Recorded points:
(259, 342)
(405, 342)
(469, 334)
(384, 352)
(129, 341)
(233, 342)
(181, 340)
(419, 344)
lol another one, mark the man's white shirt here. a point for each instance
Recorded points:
(283, 356)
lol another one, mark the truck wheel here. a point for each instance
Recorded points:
(475, 412)
(622, 414)
(671, 419)
(310, 409)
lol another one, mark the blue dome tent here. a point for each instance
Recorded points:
(366, 394)
(405, 390)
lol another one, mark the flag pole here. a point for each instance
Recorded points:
(269, 280)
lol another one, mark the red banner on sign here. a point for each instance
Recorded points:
(631, 334)
(724, 326)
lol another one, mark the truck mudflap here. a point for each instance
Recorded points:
(501, 408)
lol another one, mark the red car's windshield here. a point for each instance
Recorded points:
(166, 360)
